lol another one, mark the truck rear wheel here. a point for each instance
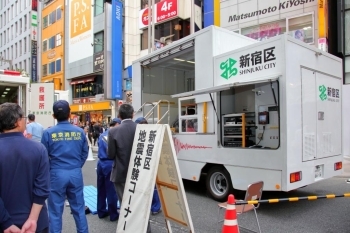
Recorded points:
(219, 184)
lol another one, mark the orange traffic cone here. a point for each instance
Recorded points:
(230, 223)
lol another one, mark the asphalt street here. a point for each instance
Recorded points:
(319, 216)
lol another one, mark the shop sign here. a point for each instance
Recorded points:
(262, 60)
(84, 100)
(164, 11)
(34, 5)
(51, 54)
(42, 99)
(117, 55)
(91, 107)
(98, 61)
(81, 32)
(252, 10)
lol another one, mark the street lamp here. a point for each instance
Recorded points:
(8, 61)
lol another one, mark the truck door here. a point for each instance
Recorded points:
(321, 115)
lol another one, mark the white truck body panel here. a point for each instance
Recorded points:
(306, 136)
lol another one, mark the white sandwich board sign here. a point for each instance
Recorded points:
(153, 161)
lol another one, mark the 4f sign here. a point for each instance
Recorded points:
(166, 6)
(80, 11)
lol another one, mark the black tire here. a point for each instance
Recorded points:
(219, 184)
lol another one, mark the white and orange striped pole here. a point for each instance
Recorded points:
(230, 222)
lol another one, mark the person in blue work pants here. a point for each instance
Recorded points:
(105, 187)
(68, 150)
(155, 206)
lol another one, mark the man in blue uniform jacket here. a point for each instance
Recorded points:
(68, 150)
(105, 187)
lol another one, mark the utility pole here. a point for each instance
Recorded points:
(149, 26)
(8, 61)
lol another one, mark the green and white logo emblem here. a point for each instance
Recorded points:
(228, 68)
(323, 94)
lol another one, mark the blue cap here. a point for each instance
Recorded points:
(61, 106)
(138, 120)
(117, 120)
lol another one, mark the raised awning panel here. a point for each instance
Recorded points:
(224, 87)
(82, 80)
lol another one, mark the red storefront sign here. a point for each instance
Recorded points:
(164, 10)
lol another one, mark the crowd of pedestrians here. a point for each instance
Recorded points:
(48, 165)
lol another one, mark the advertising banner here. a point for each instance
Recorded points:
(164, 11)
(42, 99)
(34, 60)
(117, 50)
(81, 33)
(98, 61)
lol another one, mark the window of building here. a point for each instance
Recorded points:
(302, 28)
(45, 70)
(58, 13)
(20, 47)
(52, 42)
(45, 21)
(265, 31)
(58, 40)
(16, 29)
(11, 53)
(144, 3)
(52, 67)
(25, 44)
(25, 65)
(0, 21)
(98, 42)
(20, 65)
(25, 23)
(16, 50)
(166, 29)
(20, 26)
(58, 65)
(89, 89)
(44, 45)
(52, 17)
(99, 7)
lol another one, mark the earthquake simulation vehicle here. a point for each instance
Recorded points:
(243, 111)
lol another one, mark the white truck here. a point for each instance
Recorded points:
(16, 88)
(269, 111)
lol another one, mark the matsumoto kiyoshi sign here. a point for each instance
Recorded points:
(329, 93)
(256, 61)
(282, 5)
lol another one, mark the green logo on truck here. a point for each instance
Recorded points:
(323, 94)
(228, 68)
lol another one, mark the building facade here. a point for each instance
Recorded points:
(18, 28)
(52, 43)
(84, 64)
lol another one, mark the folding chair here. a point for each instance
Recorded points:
(254, 192)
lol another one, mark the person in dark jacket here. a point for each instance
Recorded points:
(68, 150)
(120, 141)
(97, 132)
(105, 188)
(24, 175)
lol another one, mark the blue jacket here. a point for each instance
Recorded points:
(24, 179)
(66, 145)
(104, 162)
(5, 219)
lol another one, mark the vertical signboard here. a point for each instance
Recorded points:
(34, 38)
(323, 25)
(42, 99)
(117, 49)
(81, 33)
(99, 61)
(153, 160)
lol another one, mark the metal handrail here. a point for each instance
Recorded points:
(151, 111)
